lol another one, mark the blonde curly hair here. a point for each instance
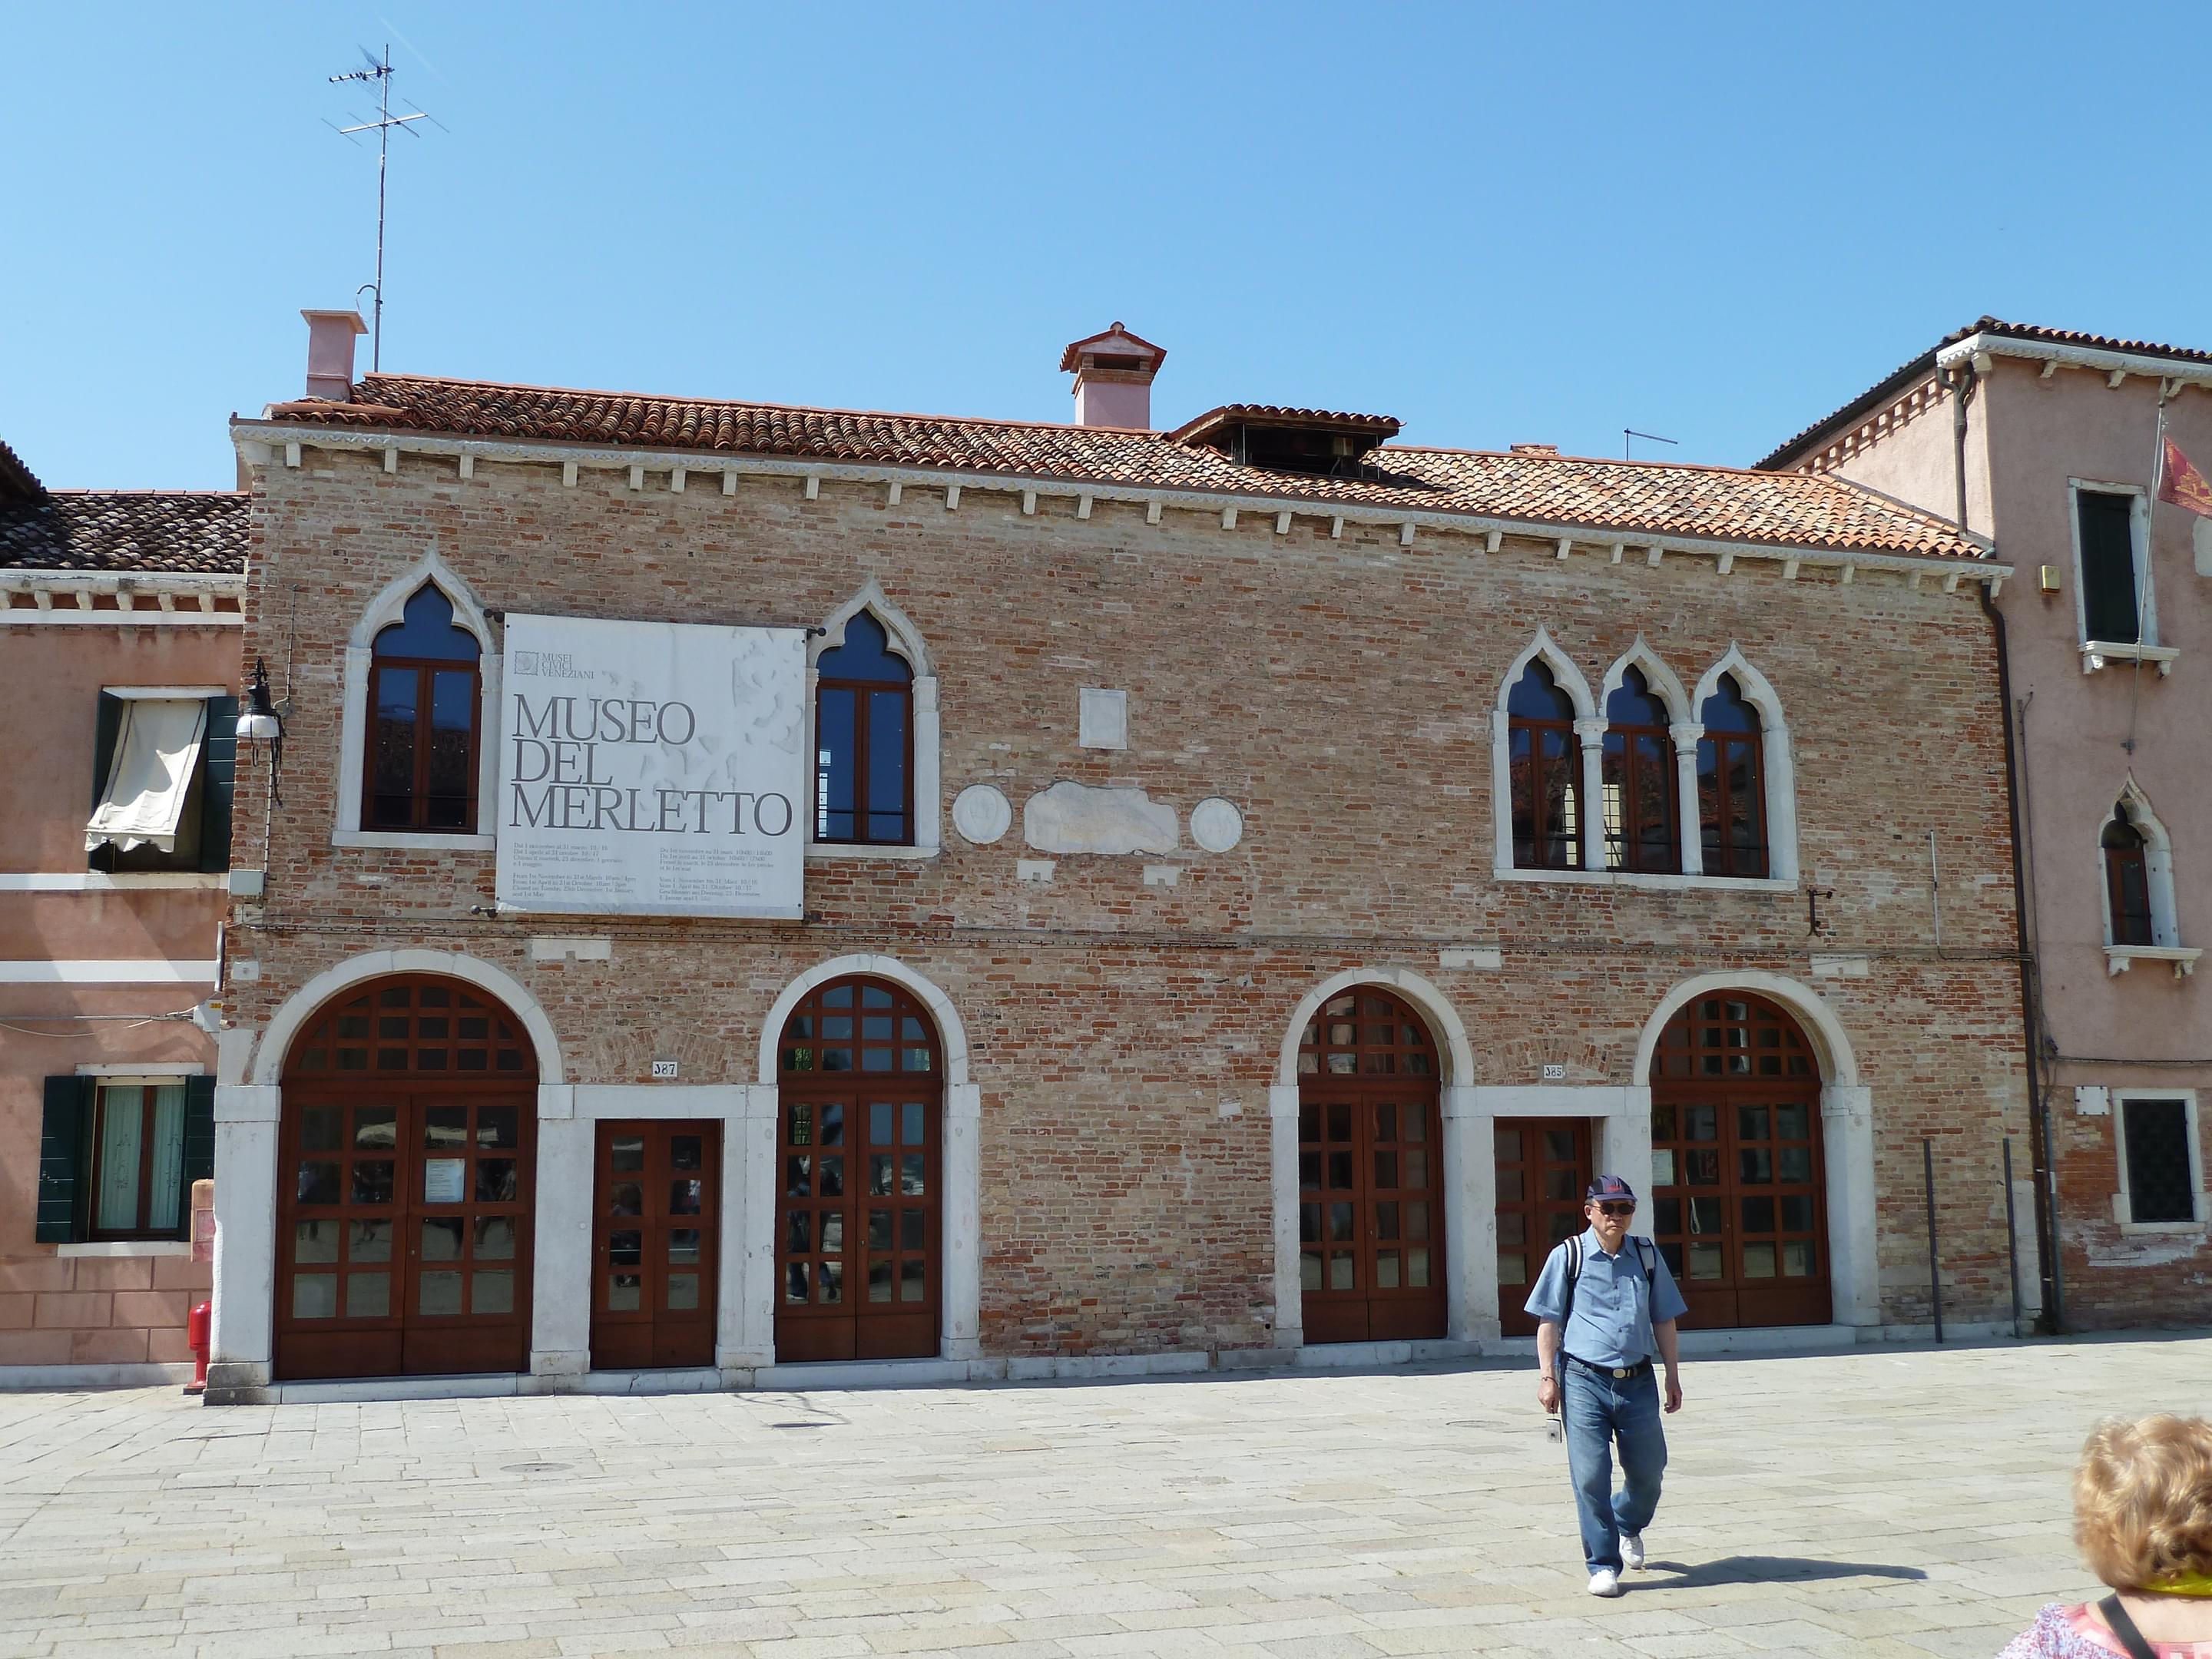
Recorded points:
(2142, 1500)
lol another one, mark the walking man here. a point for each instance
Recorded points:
(1606, 1305)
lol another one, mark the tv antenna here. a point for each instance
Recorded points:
(1627, 432)
(377, 71)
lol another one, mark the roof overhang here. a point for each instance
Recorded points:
(1978, 348)
(263, 442)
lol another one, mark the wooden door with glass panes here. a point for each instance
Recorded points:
(1738, 1201)
(656, 1198)
(859, 1142)
(1543, 1170)
(406, 1147)
(1370, 1211)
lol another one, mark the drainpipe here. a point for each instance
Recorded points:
(2042, 1154)
(2042, 1158)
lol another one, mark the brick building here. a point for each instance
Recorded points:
(119, 623)
(2048, 443)
(1252, 872)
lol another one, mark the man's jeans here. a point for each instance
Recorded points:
(1596, 1410)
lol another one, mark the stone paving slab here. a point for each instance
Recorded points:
(1878, 1501)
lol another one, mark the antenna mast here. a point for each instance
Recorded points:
(378, 71)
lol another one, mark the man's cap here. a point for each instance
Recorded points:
(1609, 1186)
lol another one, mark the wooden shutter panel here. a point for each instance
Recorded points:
(106, 729)
(199, 1143)
(65, 1203)
(218, 781)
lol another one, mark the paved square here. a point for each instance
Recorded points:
(1872, 1502)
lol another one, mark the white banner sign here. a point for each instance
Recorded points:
(652, 768)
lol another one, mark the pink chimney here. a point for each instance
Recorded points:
(1113, 379)
(331, 335)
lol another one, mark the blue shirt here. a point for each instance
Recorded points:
(1614, 1306)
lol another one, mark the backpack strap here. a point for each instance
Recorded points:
(2131, 1639)
(1574, 1248)
(1648, 1254)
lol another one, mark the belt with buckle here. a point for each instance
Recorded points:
(1618, 1373)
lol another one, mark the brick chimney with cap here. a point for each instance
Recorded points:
(1113, 375)
(331, 335)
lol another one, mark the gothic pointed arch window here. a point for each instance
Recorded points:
(1640, 817)
(426, 712)
(1732, 785)
(1546, 764)
(2127, 881)
(864, 739)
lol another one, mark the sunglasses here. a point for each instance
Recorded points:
(1616, 1209)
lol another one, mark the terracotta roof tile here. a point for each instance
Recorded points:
(1592, 498)
(17, 480)
(171, 531)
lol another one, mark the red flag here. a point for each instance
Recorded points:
(2183, 484)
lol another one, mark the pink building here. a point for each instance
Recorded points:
(2048, 443)
(119, 630)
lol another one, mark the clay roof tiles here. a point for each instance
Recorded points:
(163, 532)
(1591, 497)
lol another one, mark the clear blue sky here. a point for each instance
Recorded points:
(1534, 222)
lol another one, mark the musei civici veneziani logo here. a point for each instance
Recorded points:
(652, 768)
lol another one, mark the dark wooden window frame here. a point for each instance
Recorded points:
(424, 669)
(143, 1227)
(863, 808)
(1625, 766)
(1547, 846)
(2101, 566)
(1718, 854)
(2125, 848)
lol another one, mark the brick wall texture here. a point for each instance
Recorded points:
(1340, 691)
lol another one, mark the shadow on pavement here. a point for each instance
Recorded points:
(1761, 1569)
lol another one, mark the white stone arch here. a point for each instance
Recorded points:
(2158, 865)
(1444, 1023)
(1457, 1180)
(960, 1168)
(387, 607)
(1776, 763)
(1590, 732)
(1661, 679)
(906, 642)
(1846, 1123)
(296, 1010)
(249, 1111)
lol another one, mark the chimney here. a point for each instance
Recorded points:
(1113, 379)
(331, 335)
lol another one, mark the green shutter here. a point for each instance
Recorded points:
(109, 727)
(218, 778)
(65, 1203)
(199, 1143)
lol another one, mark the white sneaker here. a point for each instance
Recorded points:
(1631, 1548)
(1605, 1582)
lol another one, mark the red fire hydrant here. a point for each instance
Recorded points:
(197, 1324)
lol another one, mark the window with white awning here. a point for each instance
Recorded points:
(149, 787)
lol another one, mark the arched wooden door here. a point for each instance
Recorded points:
(1739, 1203)
(860, 1131)
(1370, 1213)
(406, 1161)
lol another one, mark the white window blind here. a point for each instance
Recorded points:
(156, 750)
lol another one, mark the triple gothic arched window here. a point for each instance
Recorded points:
(1635, 759)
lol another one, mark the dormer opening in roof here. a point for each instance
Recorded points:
(1113, 375)
(1322, 442)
